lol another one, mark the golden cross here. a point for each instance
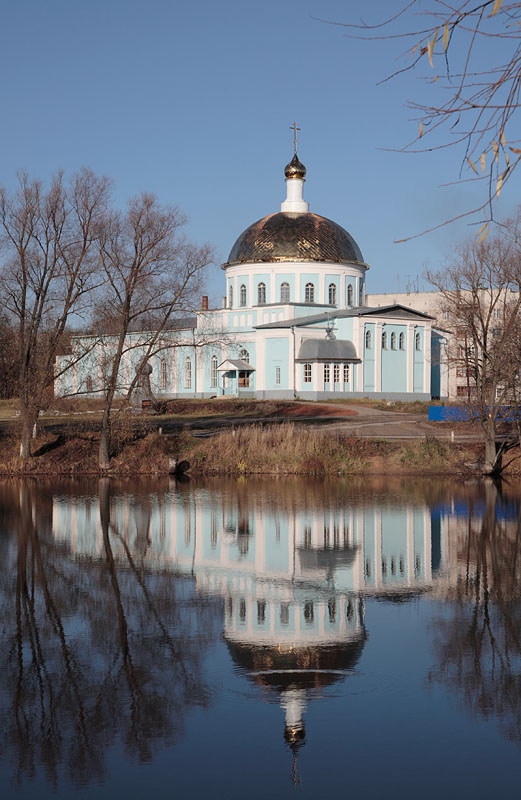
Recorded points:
(294, 129)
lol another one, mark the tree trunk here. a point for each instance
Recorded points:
(28, 421)
(492, 465)
(104, 440)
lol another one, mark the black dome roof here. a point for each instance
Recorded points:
(289, 236)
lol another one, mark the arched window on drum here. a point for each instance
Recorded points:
(309, 294)
(285, 293)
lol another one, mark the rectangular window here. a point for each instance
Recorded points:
(326, 373)
(277, 376)
(307, 373)
(336, 373)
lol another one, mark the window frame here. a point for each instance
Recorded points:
(188, 373)
(261, 294)
(309, 292)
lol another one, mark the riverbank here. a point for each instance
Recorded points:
(284, 449)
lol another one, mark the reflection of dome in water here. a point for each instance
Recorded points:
(304, 667)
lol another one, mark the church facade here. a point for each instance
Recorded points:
(294, 323)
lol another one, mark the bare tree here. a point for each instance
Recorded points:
(481, 295)
(49, 267)
(152, 277)
(472, 56)
(9, 367)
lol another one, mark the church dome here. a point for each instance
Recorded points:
(290, 236)
(295, 168)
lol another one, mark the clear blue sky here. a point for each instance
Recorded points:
(193, 101)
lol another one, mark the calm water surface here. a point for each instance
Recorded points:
(256, 639)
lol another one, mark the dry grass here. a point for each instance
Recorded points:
(279, 449)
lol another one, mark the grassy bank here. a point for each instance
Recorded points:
(285, 449)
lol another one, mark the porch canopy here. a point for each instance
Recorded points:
(327, 350)
(234, 365)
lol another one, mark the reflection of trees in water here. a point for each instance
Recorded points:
(479, 649)
(92, 652)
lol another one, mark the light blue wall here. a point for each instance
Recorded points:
(279, 279)
(277, 355)
(336, 280)
(394, 362)
(351, 282)
(309, 278)
(261, 279)
(243, 280)
(369, 358)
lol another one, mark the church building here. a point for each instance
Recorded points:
(294, 323)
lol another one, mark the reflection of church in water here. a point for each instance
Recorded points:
(293, 577)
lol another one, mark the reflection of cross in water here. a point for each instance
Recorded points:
(294, 129)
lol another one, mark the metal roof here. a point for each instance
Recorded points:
(400, 312)
(236, 364)
(327, 350)
(290, 236)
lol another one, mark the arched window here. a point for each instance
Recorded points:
(213, 372)
(393, 341)
(326, 373)
(261, 294)
(90, 386)
(350, 295)
(163, 375)
(188, 373)
(307, 373)
(244, 356)
(310, 293)
(368, 340)
(336, 373)
(332, 294)
(361, 292)
(402, 341)
(418, 341)
(284, 292)
(346, 373)
(384, 341)
(242, 295)
(230, 296)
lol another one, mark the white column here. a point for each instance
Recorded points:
(321, 289)
(410, 356)
(427, 358)
(272, 298)
(378, 357)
